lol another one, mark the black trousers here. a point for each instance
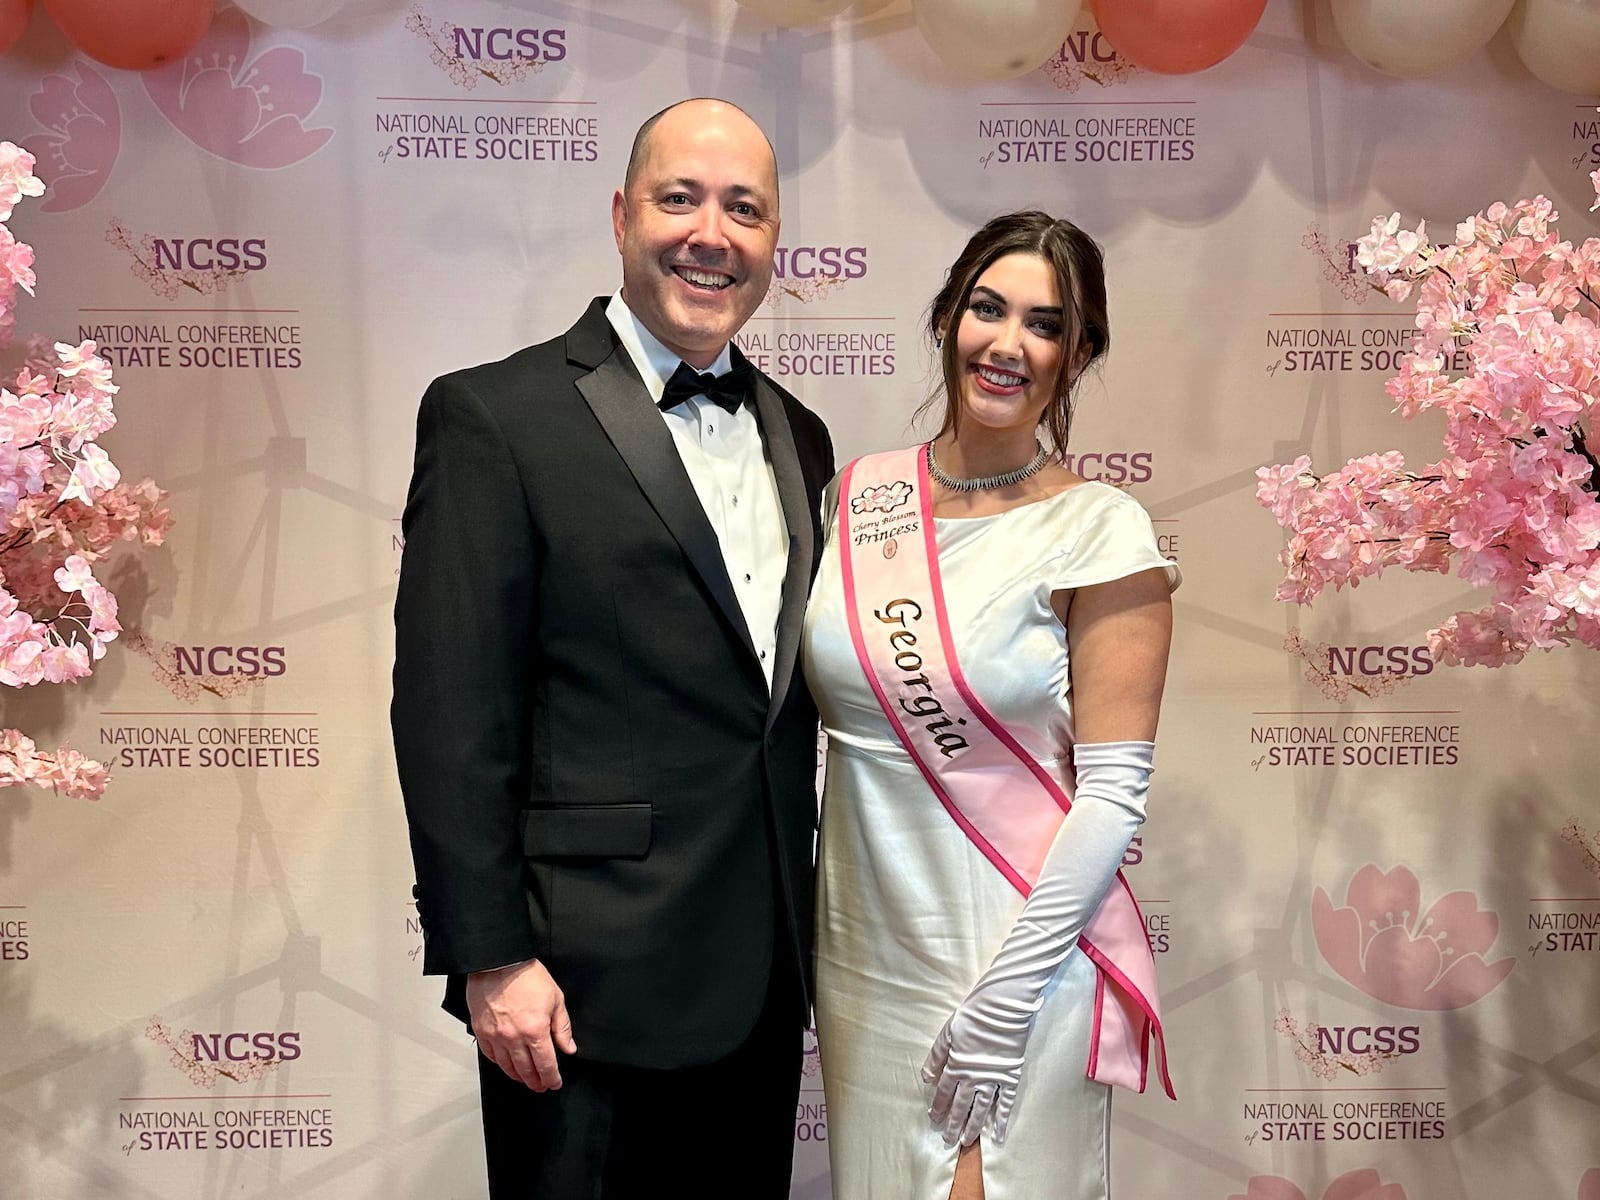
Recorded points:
(614, 1132)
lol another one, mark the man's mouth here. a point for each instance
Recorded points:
(702, 280)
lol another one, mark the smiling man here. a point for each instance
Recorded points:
(605, 746)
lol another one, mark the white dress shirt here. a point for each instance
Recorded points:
(727, 464)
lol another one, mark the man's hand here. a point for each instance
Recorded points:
(520, 1020)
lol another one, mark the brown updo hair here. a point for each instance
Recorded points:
(1079, 269)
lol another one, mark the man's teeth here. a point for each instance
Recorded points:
(1002, 378)
(704, 278)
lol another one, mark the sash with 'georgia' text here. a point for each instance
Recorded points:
(1004, 801)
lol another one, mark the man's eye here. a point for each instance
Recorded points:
(677, 199)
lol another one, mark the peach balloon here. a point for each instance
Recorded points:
(995, 39)
(14, 16)
(1558, 41)
(135, 35)
(1414, 38)
(1175, 37)
(290, 14)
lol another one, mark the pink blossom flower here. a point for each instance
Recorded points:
(83, 124)
(63, 662)
(16, 262)
(1381, 942)
(79, 360)
(250, 111)
(66, 771)
(16, 178)
(102, 613)
(75, 575)
(1390, 249)
(93, 473)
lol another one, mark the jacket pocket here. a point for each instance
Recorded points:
(587, 831)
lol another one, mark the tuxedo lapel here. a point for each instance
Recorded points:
(797, 517)
(619, 402)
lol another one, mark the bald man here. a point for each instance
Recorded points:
(605, 746)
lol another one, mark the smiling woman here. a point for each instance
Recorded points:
(987, 642)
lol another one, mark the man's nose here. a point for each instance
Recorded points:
(709, 229)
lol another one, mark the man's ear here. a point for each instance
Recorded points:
(619, 216)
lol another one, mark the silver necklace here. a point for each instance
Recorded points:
(986, 483)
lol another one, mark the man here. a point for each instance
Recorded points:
(605, 746)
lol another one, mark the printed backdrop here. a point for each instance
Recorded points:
(1373, 885)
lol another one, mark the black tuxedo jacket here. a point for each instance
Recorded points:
(595, 772)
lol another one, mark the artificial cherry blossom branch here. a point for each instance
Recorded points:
(63, 505)
(1511, 505)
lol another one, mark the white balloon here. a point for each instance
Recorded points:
(1412, 38)
(1559, 42)
(995, 39)
(796, 12)
(290, 14)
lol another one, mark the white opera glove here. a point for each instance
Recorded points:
(977, 1059)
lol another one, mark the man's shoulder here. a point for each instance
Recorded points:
(546, 363)
(517, 369)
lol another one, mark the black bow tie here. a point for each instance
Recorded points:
(729, 390)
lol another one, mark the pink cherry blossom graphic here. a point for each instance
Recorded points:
(1353, 1185)
(802, 290)
(1325, 1064)
(1338, 687)
(186, 1062)
(165, 668)
(1086, 57)
(464, 72)
(1589, 1185)
(248, 111)
(810, 1060)
(1588, 845)
(1337, 268)
(165, 281)
(885, 499)
(1384, 944)
(83, 124)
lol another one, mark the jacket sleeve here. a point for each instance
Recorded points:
(464, 615)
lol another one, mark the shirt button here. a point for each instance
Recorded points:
(711, 428)
(736, 502)
(747, 577)
(763, 656)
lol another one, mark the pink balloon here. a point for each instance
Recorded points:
(14, 16)
(1176, 37)
(136, 35)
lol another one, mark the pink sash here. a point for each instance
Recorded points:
(1004, 801)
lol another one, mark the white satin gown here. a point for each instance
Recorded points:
(909, 912)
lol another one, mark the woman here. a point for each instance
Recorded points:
(987, 641)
